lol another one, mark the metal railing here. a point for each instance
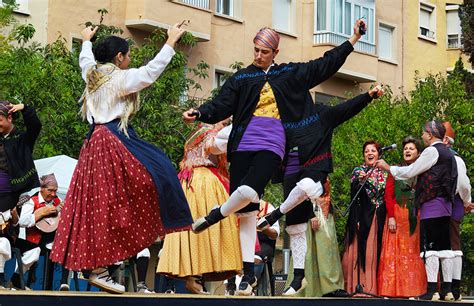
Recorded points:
(204, 4)
(337, 39)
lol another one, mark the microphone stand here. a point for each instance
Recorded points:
(359, 289)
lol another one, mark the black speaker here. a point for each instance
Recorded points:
(280, 281)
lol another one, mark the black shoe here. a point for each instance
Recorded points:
(341, 293)
(204, 223)
(445, 293)
(431, 294)
(246, 285)
(269, 219)
(456, 289)
(15, 280)
(230, 289)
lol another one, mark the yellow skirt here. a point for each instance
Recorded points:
(215, 253)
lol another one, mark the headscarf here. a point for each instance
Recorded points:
(48, 180)
(435, 128)
(4, 108)
(267, 37)
(449, 132)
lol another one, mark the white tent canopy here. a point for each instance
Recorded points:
(62, 166)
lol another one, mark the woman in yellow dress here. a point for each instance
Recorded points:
(214, 254)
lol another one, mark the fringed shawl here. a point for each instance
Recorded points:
(104, 86)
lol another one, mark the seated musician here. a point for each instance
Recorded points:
(43, 208)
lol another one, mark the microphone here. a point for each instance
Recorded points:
(387, 148)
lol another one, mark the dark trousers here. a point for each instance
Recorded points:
(254, 169)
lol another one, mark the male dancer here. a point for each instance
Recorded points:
(266, 100)
(304, 180)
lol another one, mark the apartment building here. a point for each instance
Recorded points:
(403, 36)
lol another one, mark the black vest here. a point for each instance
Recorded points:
(440, 180)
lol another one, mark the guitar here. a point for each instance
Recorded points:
(21, 201)
(50, 223)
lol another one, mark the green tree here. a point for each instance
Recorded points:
(466, 14)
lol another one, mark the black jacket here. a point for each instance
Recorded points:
(19, 148)
(290, 84)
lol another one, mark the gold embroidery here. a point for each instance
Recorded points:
(267, 106)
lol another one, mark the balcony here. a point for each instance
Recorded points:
(149, 15)
(204, 4)
(332, 38)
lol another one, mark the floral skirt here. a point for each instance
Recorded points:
(401, 269)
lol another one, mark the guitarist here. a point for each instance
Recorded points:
(42, 204)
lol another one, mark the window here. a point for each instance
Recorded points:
(453, 26)
(225, 7)
(204, 4)
(76, 44)
(335, 21)
(385, 43)
(427, 21)
(219, 78)
(283, 15)
(22, 5)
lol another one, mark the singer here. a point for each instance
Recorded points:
(401, 271)
(363, 238)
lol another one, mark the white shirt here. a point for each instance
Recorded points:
(132, 80)
(463, 187)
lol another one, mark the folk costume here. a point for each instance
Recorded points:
(124, 192)
(401, 270)
(18, 175)
(363, 238)
(462, 199)
(34, 235)
(323, 269)
(434, 194)
(272, 110)
(215, 254)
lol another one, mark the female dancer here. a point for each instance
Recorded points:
(124, 192)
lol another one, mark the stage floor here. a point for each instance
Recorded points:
(56, 298)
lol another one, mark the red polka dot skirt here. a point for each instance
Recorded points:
(111, 209)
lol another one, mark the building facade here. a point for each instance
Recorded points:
(403, 36)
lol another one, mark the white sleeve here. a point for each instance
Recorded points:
(27, 216)
(86, 58)
(427, 159)
(463, 187)
(220, 141)
(135, 79)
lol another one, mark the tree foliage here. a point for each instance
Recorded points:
(466, 14)
(48, 77)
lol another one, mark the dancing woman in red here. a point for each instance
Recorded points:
(124, 192)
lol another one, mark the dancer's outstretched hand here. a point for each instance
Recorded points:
(190, 115)
(381, 164)
(88, 32)
(377, 91)
(175, 33)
